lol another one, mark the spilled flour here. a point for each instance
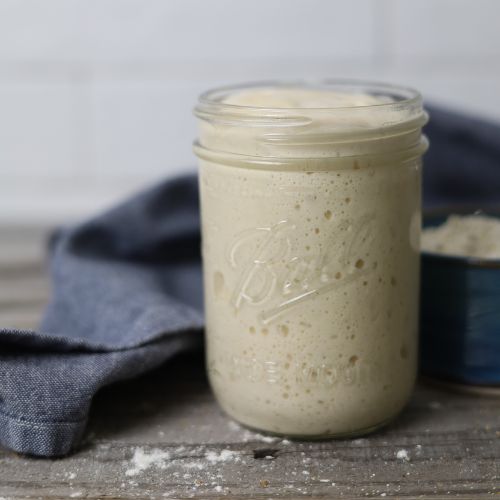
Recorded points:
(247, 435)
(143, 460)
(223, 456)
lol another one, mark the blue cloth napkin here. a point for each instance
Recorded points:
(127, 291)
(127, 296)
(462, 165)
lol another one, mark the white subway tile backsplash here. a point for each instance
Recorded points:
(96, 96)
(455, 87)
(55, 201)
(445, 29)
(142, 129)
(197, 30)
(37, 134)
(39, 31)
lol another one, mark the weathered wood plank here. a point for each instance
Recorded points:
(22, 247)
(21, 317)
(24, 284)
(23, 289)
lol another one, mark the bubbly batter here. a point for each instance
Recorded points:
(311, 278)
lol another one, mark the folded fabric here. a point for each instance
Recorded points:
(462, 165)
(127, 296)
(127, 291)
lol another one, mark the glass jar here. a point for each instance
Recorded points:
(310, 202)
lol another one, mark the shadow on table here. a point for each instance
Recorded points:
(181, 385)
(121, 407)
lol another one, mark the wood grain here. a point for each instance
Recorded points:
(451, 441)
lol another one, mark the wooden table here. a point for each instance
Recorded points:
(444, 445)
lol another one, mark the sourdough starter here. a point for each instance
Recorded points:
(311, 276)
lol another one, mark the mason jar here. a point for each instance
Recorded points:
(310, 205)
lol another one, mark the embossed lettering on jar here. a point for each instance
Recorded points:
(310, 200)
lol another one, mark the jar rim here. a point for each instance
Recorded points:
(248, 131)
(403, 95)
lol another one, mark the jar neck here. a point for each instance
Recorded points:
(235, 134)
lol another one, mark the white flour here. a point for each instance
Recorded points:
(143, 460)
(223, 456)
(469, 236)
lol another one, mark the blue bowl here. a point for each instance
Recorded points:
(460, 314)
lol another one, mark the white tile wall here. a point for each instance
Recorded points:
(37, 129)
(142, 127)
(438, 30)
(198, 30)
(96, 95)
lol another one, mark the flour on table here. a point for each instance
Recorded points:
(223, 456)
(248, 435)
(403, 455)
(143, 460)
